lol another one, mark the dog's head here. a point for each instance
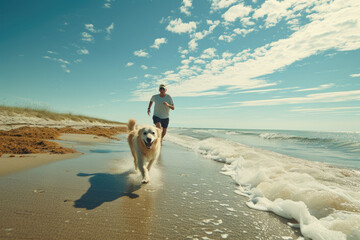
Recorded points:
(149, 135)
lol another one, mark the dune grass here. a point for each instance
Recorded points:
(47, 114)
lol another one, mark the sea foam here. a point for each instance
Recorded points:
(323, 200)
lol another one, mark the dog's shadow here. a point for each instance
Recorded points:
(105, 187)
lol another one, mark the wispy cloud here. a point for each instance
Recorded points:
(177, 26)
(107, 3)
(185, 7)
(220, 4)
(321, 87)
(144, 67)
(158, 42)
(200, 35)
(109, 30)
(87, 37)
(331, 25)
(63, 63)
(90, 27)
(141, 53)
(237, 11)
(332, 109)
(83, 51)
(268, 90)
(355, 75)
(129, 64)
(312, 98)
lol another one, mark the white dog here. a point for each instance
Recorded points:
(145, 146)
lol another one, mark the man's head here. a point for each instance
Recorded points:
(162, 88)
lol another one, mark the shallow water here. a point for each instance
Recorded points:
(340, 149)
(324, 200)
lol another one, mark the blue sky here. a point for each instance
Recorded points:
(292, 64)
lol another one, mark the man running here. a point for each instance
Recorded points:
(163, 104)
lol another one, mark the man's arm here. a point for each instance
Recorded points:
(150, 104)
(170, 106)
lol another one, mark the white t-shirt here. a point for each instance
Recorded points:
(160, 110)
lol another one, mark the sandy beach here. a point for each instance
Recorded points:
(10, 163)
(98, 195)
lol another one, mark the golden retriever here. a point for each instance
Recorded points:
(145, 145)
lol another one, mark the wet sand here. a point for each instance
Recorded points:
(11, 163)
(98, 196)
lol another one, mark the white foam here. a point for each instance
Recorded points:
(324, 200)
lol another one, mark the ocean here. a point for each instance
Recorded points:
(310, 177)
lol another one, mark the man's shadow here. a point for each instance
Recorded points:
(106, 187)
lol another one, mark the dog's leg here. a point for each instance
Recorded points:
(143, 169)
(150, 163)
(131, 144)
(146, 178)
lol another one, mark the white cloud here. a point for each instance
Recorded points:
(321, 87)
(158, 42)
(226, 38)
(333, 25)
(110, 28)
(109, 31)
(243, 32)
(141, 53)
(168, 72)
(129, 64)
(333, 109)
(355, 75)
(186, 5)
(246, 22)
(63, 63)
(52, 52)
(107, 3)
(268, 90)
(83, 51)
(200, 35)
(273, 11)
(220, 4)
(87, 37)
(144, 67)
(183, 51)
(237, 11)
(208, 53)
(177, 26)
(90, 28)
(312, 98)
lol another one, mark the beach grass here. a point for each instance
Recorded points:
(44, 113)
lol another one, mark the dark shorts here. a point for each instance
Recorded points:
(164, 122)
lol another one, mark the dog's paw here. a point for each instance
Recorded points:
(145, 180)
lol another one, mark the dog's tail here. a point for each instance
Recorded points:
(131, 124)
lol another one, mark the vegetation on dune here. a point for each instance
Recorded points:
(46, 114)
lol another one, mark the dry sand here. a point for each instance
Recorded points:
(98, 196)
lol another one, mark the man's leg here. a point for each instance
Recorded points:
(163, 133)
(158, 125)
